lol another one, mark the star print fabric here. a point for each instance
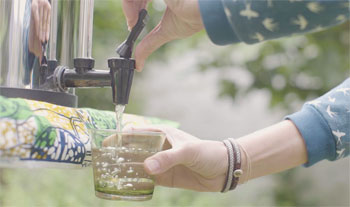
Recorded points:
(252, 21)
(324, 124)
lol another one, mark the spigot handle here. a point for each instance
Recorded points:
(125, 49)
(43, 53)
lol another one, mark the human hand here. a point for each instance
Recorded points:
(41, 14)
(188, 162)
(34, 44)
(39, 30)
(181, 19)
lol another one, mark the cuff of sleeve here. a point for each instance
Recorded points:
(316, 133)
(215, 22)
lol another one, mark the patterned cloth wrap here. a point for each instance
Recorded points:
(38, 134)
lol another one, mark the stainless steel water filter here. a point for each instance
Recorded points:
(46, 64)
(70, 27)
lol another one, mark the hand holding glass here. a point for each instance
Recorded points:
(117, 161)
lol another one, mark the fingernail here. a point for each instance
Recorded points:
(152, 165)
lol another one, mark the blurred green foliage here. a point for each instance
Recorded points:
(290, 69)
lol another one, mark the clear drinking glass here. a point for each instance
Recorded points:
(117, 162)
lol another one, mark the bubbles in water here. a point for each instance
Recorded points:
(115, 171)
(110, 184)
(122, 172)
(120, 160)
(128, 185)
(130, 170)
(102, 183)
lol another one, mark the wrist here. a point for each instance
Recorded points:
(272, 150)
(245, 163)
(234, 171)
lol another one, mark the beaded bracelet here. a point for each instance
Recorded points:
(234, 170)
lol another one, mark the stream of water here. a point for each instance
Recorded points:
(119, 110)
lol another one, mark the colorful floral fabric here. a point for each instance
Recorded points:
(39, 134)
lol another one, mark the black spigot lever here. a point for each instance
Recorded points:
(125, 49)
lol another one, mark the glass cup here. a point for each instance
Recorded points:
(117, 162)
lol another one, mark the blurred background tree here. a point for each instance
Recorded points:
(290, 71)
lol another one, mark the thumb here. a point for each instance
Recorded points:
(154, 40)
(163, 161)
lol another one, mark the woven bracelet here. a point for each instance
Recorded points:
(229, 174)
(237, 171)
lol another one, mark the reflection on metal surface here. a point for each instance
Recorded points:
(68, 27)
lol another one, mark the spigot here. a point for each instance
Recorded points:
(120, 76)
(122, 68)
(122, 73)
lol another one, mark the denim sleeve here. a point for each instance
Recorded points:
(324, 123)
(252, 21)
